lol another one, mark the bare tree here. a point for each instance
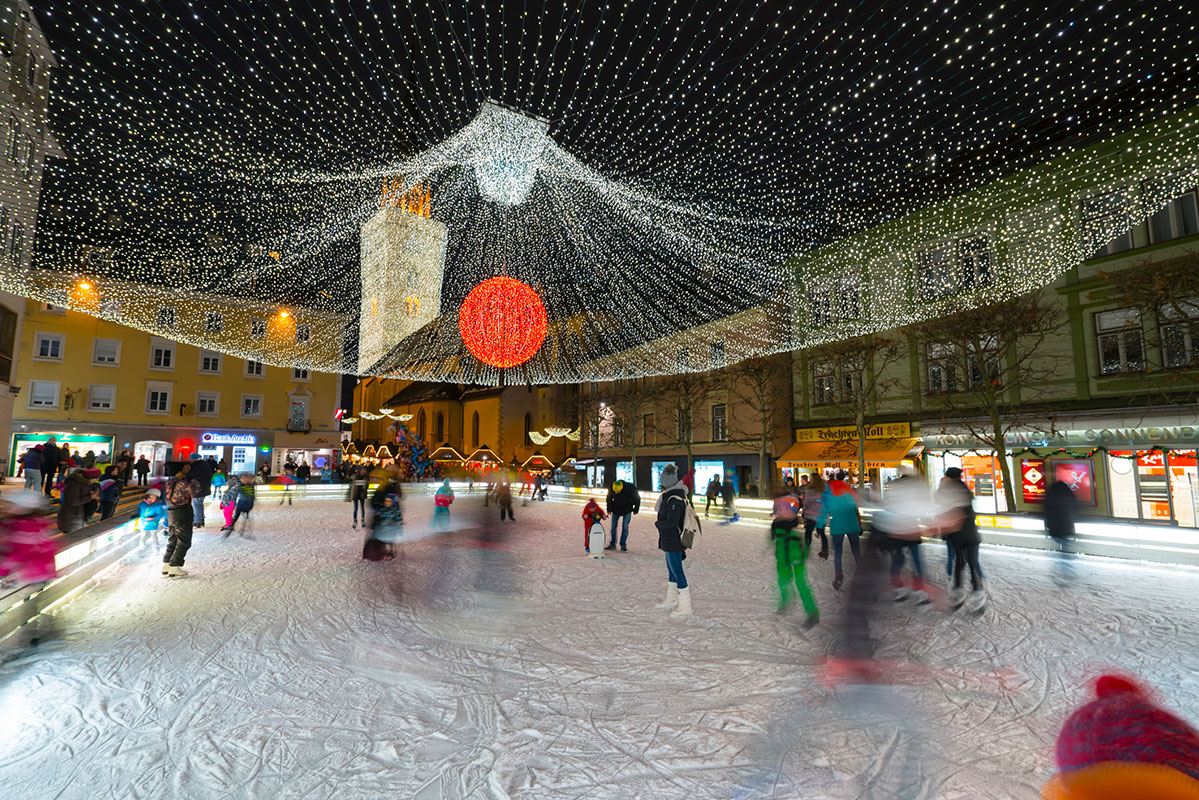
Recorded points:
(628, 399)
(590, 407)
(1167, 294)
(983, 357)
(759, 385)
(680, 395)
(857, 372)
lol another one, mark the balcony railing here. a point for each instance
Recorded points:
(297, 426)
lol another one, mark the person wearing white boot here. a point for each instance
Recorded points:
(671, 508)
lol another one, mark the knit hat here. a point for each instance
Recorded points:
(670, 474)
(155, 492)
(91, 473)
(1122, 744)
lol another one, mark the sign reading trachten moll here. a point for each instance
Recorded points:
(213, 437)
(843, 433)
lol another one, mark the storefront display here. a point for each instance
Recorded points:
(81, 442)
(1079, 475)
(1032, 479)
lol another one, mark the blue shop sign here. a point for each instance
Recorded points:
(213, 437)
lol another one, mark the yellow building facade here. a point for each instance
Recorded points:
(101, 386)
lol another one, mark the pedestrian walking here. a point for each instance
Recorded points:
(839, 513)
(181, 490)
(442, 499)
(1060, 507)
(791, 556)
(811, 498)
(31, 463)
(50, 455)
(142, 468)
(713, 493)
(728, 497)
(672, 507)
(956, 520)
(623, 503)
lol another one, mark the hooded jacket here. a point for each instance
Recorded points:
(671, 508)
(839, 510)
(623, 498)
(75, 493)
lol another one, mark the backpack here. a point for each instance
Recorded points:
(691, 527)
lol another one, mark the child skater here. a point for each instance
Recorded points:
(592, 514)
(441, 504)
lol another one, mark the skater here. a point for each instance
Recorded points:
(960, 529)
(791, 557)
(200, 476)
(672, 507)
(908, 502)
(592, 514)
(624, 502)
(289, 477)
(713, 493)
(839, 511)
(219, 481)
(359, 489)
(240, 496)
(503, 499)
(1059, 509)
(180, 493)
(72, 500)
(386, 528)
(811, 498)
(728, 495)
(151, 514)
(27, 548)
(441, 504)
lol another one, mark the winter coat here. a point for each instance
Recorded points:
(110, 493)
(591, 514)
(714, 487)
(839, 511)
(142, 467)
(726, 492)
(32, 459)
(50, 454)
(671, 507)
(444, 495)
(955, 495)
(231, 495)
(151, 515)
(811, 501)
(624, 500)
(359, 487)
(75, 493)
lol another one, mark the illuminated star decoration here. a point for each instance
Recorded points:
(681, 187)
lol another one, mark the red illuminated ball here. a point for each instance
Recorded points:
(503, 322)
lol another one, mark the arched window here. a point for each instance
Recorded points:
(474, 431)
(528, 429)
(420, 425)
(439, 426)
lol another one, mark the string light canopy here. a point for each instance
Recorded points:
(678, 186)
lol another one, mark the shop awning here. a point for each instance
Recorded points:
(537, 461)
(446, 453)
(484, 455)
(844, 455)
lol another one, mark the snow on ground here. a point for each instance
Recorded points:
(285, 667)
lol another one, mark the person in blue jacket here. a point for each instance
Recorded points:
(839, 511)
(151, 512)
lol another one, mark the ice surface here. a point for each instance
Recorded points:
(285, 667)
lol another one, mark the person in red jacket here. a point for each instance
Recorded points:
(592, 514)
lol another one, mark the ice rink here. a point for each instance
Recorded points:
(285, 667)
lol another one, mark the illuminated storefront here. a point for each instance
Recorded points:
(833, 448)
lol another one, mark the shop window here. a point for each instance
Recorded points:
(49, 346)
(1179, 325)
(101, 397)
(942, 368)
(210, 362)
(254, 369)
(251, 406)
(1153, 485)
(166, 318)
(647, 429)
(43, 395)
(106, 352)
(1105, 221)
(207, 404)
(158, 398)
(214, 322)
(1121, 341)
(824, 384)
(1122, 484)
(720, 429)
(1184, 487)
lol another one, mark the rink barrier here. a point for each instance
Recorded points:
(77, 563)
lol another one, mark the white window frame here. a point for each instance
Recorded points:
(943, 361)
(91, 394)
(297, 378)
(261, 401)
(41, 407)
(247, 373)
(45, 336)
(215, 397)
(1121, 334)
(161, 387)
(824, 384)
(165, 345)
(167, 317)
(210, 354)
(720, 433)
(96, 340)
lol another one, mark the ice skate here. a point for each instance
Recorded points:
(684, 606)
(176, 572)
(672, 596)
(921, 597)
(811, 621)
(166, 568)
(900, 594)
(838, 581)
(957, 596)
(977, 602)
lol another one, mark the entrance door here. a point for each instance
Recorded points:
(243, 460)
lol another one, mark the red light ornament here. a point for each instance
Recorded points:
(502, 322)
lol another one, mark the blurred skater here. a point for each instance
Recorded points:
(386, 529)
(240, 497)
(811, 497)
(26, 548)
(839, 511)
(503, 498)
(359, 490)
(442, 499)
(791, 556)
(960, 529)
(1060, 508)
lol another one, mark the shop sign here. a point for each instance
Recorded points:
(845, 433)
(1083, 437)
(1032, 476)
(1079, 476)
(214, 438)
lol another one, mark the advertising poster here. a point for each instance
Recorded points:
(1032, 477)
(1079, 476)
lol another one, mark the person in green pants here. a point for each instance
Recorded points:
(791, 556)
